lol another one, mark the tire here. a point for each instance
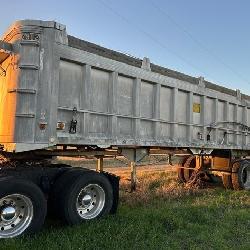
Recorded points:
(180, 175)
(57, 189)
(87, 195)
(180, 171)
(227, 181)
(190, 163)
(23, 207)
(241, 175)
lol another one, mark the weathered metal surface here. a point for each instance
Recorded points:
(62, 90)
(6, 46)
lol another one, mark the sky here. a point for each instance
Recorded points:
(198, 38)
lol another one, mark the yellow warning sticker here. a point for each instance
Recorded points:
(196, 107)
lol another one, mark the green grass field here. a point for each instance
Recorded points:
(160, 215)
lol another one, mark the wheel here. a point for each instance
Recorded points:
(87, 195)
(57, 189)
(180, 175)
(180, 171)
(241, 175)
(22, 207)
(227, 181)
(190, 163)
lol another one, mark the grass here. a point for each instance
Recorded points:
(161, 214)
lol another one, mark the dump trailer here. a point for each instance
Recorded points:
(62, 96)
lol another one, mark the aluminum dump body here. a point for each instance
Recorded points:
(58, 89)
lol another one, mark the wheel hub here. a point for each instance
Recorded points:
(86, 200)
(16, 213)
(90, 201)
(8, 213)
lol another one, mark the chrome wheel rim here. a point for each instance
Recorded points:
(90, 201)
(245, 173)
(16, 214)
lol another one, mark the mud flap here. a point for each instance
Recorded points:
(114, 180)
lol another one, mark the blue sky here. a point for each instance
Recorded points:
(199, 38)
